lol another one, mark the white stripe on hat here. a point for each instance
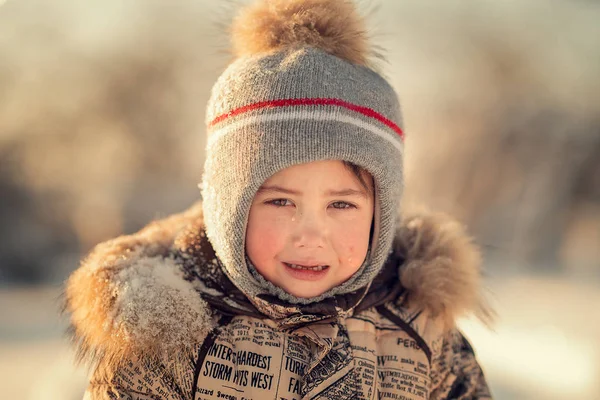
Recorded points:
(319, 115)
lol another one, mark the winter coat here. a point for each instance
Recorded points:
(156, 317)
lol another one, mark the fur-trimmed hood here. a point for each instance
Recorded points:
(129, 295)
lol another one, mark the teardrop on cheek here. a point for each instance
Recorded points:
(350, 251)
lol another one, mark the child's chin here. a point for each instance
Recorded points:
(305, 293)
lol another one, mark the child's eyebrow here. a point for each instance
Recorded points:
(346, 192)
(275, 188)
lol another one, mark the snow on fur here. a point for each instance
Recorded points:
(156, 308)
(333, 26)
(129, 297)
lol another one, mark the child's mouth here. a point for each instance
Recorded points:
(310, 268)
(306, 272)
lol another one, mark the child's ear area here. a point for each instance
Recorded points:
(363, 176)
(371, 185)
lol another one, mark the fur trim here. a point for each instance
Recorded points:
(333, 26)
(129, 296)
(441, 271)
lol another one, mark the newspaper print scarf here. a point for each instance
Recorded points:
(320, 324)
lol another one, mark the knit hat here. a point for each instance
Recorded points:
(301, 90)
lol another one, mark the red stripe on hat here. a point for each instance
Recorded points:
(368, 112)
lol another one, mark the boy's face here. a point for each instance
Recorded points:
(309, 225)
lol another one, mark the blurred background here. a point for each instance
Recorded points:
(102, 130)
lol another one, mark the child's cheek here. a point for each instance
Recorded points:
(272, 239)
(268, 236)
(352, 244)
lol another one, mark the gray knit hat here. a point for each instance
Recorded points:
(300, 90)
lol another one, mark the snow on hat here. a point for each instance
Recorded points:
(302, 89)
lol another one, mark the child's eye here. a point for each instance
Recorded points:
(279, 202)
(340, 205)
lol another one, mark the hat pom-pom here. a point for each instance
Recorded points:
(334, 26)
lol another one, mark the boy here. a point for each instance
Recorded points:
(292, 279)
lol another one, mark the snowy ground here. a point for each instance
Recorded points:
(546, 343)
(35, 363)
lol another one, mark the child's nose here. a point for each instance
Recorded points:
(310, 231)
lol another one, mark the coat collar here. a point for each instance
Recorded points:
(130, 294)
